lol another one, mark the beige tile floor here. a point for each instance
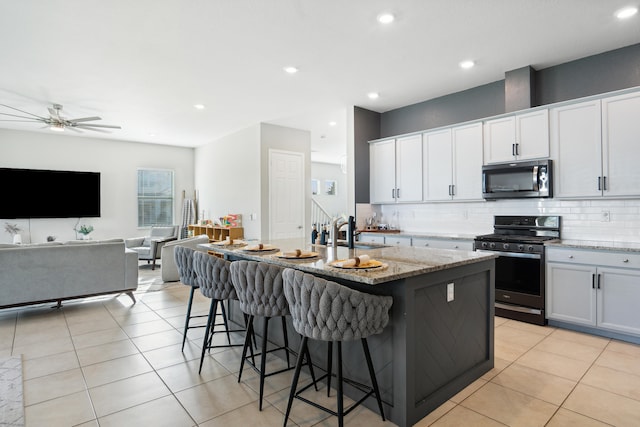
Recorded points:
(106, 362)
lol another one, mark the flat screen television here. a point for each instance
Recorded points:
(36, 193)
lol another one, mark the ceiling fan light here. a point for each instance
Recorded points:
(57, 127)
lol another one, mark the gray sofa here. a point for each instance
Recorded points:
(37, 273)
(168, 268)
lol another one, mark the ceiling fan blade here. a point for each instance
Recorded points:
(89, 128)
(25, 112)
(55, 112)
(14, 120)
(88, 125)
(84, 119)
(22, 117)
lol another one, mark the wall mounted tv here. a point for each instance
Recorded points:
(36, 193)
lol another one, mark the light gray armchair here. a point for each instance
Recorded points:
(149, 247)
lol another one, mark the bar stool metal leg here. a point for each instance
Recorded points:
(186, 323)
(372, 374)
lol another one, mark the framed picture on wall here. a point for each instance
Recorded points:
(330, 187)
(315, 187)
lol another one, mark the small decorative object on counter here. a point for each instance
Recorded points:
(51, 238)
(84, 230)
(323, 235)
(314, 234)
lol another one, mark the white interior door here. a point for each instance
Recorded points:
(286, 194)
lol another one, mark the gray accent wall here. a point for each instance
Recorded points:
(366, 125)
(606, 72)
(471, 104)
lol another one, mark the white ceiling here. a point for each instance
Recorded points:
(143, 64)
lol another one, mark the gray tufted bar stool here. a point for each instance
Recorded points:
(214, 278)
(260, 292)
(327, 311)
(184, 262)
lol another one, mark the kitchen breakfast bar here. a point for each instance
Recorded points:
(440, 335)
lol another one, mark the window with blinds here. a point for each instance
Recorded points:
(155, 197)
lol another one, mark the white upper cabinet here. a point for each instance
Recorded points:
(519, 137)
(453, 163)
(621, 145)
(396, 170)
(576, 149)
(438, 165)
(409, 169)
(467, 162)
(382, 170)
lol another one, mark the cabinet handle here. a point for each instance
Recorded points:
(513, 149)
(570, 256)
(426, 244)
(625, 260)
(604, 183)
(598, 281)
(397, 193)
(593, 281)
(517, 149)
(393, 193)
(453, 190)
(599, 183)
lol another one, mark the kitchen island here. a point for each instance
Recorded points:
(440, 335)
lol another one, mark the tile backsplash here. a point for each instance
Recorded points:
(605, 220)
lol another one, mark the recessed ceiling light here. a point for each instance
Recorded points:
(627, 12)
(373, 95)
(332, 123)
(198, 106)
(291, 70)
(467, 64)
(386, 18)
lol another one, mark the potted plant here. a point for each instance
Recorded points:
(85, 230)
(14, 230)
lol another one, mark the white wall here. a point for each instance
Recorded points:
(117, 162)
(581, 219)
(273, 137)
(334, 205)
(227, 178)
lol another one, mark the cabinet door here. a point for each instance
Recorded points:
(576, 149)
(532, 135)
(499, 140)
(467, 162)
(618, 299)
(382, 178)
(397, 240)
(371, 238)
(436, 149)
(621, 144)
(409, 169)
(571, 295)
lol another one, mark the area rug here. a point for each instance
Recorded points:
(11, 401)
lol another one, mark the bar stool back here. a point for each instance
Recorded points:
(327, 311)
(260, 293)
(184, 262)
(214, 278)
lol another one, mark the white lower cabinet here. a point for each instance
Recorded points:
(371, 238)
(593, 288)
(397, 240)
(427, 242)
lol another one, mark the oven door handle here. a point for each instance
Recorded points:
(511, 254)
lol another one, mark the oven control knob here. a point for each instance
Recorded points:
(492, 245)
(505, 246)
(530, 248)
(484, 245)
(521, 247)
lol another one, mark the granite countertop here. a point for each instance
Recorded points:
(428, 235)
(399, 262)
(597, 244)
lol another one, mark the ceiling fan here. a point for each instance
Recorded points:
(56, 121)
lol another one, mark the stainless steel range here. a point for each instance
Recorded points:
(520, 270)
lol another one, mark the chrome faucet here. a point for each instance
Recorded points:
(336, 224)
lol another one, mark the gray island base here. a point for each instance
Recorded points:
(440, 335)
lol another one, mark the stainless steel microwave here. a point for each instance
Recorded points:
(517, 180)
